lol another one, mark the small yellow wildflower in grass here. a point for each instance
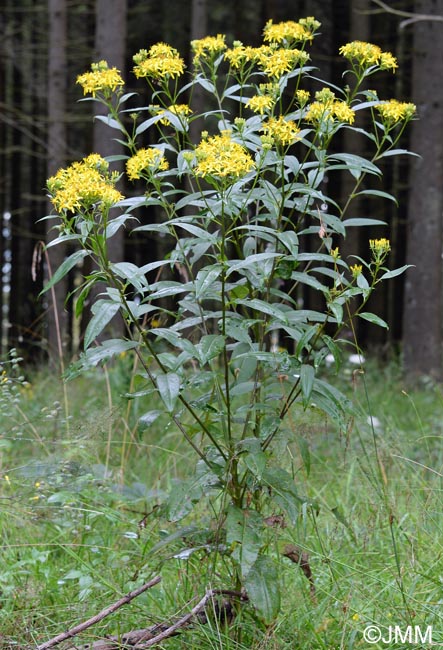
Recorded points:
(101, 79)
(284, 132)
(278, 62)
(161, 62)
(151, 160)
(205, 48)
(356, 270)
(181, 110)
(366, 55)
(260, 103)
(219, 156)
(84, 184)
(394, 111)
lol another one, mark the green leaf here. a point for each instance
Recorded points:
(372, 318)
(243, 530)
(210, 346)
(305, 454)
(253, 456)
(96, 355)
(148, 418)
(395, 272)
(205, 278)
(263, 588)
(362, 221)
(283, 491)
(398, 152)
(169, 388)
(383, 195)
(307, 376)
(110, 121)
(104, 311)
(65, 267)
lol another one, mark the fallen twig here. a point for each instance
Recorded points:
(300, 557)
(98, 617)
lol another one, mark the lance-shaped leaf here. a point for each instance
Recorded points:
(169, 388)
(104, 311)
(243, 530)
(263, 588)
(65, 267)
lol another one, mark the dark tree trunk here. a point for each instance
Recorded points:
(423, 288)
(57, 321)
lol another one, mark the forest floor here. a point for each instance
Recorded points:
(79, 523)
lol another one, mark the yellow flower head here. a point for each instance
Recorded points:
(161, 62)
(302, 97)
(379, 249)
(284, 132)
(219, 156)
(366, 55)
(356, 270)
(335, 253)
(240, 55)
(84, 185)
(328, 109)
(394, 111)
(181, 110)
(290, 32)
(101, 79)
(206, 48)
(277, 62)
(260, 103)
(343, 113)
(151, 160)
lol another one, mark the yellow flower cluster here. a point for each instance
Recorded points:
(356, 270)
(328, 108)
(151, 160)
(181, 110)
(380, 246)
(260, 103)
(284, 132)
(161, 62)
(239, 55)
(290, 32)
(84, 184)
(302, 97)
(221, 157)
(205, 48)
(367, 54)
(276, 62)
(102, 79)
(394, 111)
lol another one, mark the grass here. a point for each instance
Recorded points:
(80, 527)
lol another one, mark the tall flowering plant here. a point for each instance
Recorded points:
(239, 356)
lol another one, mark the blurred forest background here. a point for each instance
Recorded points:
(45, 44)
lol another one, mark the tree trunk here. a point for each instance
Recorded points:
(110, 45)
(57, 321)
(423, 288)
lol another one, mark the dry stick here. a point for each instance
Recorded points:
(141, 645)
(98, 617)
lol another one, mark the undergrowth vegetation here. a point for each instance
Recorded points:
(80, 522)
